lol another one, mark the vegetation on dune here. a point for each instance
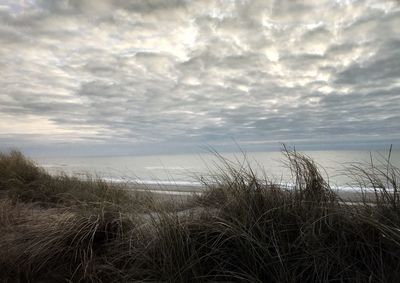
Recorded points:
(241, 229)
(21, 180)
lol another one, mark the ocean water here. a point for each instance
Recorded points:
(186, 169)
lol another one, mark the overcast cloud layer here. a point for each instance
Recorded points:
(115, 73)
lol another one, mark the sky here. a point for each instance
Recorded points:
(171, 76)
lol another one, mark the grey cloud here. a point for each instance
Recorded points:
(84, 6)
(381, 67)
(189, 72)
(149, 6)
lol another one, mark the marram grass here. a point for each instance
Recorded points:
(241, 229)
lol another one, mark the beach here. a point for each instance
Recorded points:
(183, 193)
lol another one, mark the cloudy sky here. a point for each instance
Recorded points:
(172, 75)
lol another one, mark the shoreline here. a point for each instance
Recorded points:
(347, 194)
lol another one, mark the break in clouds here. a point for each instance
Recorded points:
(117, 73)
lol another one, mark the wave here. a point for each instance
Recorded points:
(195, 184)
(168, 168)
(53, 166)
(152, 182)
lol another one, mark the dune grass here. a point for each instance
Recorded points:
(241, 229)
(21, 180)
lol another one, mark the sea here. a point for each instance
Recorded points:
(190, 169)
